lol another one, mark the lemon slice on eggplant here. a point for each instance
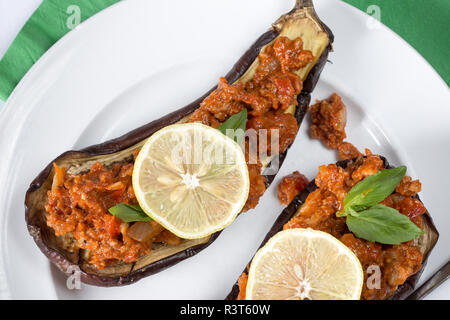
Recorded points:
(300, 264)
(192, 179)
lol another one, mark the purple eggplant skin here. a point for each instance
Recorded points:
(402, 291)
(35, 198)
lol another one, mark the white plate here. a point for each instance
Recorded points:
(140, 59)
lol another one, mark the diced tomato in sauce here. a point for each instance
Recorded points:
(290, 186)
(328, 120)
(406, 205)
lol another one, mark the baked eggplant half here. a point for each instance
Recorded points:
(401, 264)
(300, 30)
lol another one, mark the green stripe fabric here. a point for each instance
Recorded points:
(424, 24)
(51, 20)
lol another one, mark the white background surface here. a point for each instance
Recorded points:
(378, 91)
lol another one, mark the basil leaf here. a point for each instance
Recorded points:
(347, 212)
(231, 127)
(384, 225)
(374, 189)
(129, 213)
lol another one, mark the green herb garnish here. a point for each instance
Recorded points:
(374, 189)
(231, 127)
(384, 225)
(129, 213)
(372, 221)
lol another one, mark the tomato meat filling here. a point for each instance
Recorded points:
(78, 204)
(396, 262)
(328, 121)
(290, 186)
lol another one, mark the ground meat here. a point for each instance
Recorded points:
(396, 264)
(319, 212)
(333, 178)
(227, 100)
(400, 261)
(280, 89)
(257, 186)
(409, 188)
(368, 253)
(285, 55)
(328, 120)
(367, 166)
(346, 150)
(290, 53)
(290, 186)
(285, 125)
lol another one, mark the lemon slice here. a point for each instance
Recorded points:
(192, 179)
(299, 264)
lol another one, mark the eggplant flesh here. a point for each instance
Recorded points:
(426, 242)
(63, 251)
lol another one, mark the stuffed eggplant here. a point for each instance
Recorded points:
(272, 80)
(320, 205)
